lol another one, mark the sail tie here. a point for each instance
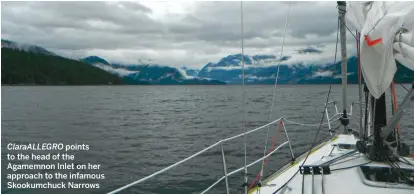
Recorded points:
(374, 42)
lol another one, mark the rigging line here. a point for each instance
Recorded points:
(394, 105)
(352, 157)
(323, 116)
(402, 85)
(326, 104)
(333, 147)
(244, 99)
(284, 185)
(402, 173)
(327, 99)
(336, 48)
(298, 169)
(401, 139)
(398, 167)
(367, 102)
(393, 167)
(349, 30)
(303, 183)
(401, 159)
(267, 159)
(376, 24)
(348, 167)
(274, 90)
(256, 71)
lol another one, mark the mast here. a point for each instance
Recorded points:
(361, 131)
(342, 30)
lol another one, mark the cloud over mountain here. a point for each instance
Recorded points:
(177, 33)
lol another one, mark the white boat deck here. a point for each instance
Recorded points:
(345, 181)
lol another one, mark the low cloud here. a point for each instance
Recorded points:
(172, 33)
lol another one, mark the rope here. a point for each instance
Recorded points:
(404, 87)
(349, 30)
(244, 99)
(280, 188)
(275, 86)
(260, 174)
(326, 104)
(284, 185)
(375, 25)
(348, 167)
(323, 116)
(394, 99)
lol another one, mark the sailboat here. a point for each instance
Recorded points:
(371, 159)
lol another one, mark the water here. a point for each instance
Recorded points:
(134, 131)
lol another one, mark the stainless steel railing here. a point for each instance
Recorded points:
(194, 155)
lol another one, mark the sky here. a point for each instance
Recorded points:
(179, 33)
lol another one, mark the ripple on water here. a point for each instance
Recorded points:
(135, 131)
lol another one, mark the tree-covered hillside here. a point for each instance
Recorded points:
(20, 67)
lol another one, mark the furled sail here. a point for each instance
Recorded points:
(387, 34)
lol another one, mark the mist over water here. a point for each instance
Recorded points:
(134, 131)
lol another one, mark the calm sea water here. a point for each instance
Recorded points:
(134, 131)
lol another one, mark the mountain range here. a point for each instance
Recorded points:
(259, 69)
(262, 69)
(150, 73)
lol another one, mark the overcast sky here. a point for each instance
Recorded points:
(172, 33)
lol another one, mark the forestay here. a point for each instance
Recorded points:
(386, 35)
